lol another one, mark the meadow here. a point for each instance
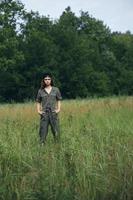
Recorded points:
(92, 161)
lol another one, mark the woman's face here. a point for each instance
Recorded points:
(47, 80)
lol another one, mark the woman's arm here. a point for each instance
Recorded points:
(58, 106)
(39, 108)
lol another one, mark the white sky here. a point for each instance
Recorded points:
(117, 14)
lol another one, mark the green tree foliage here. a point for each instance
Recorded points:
(11, 56)
(85, 58)
(39, 50)
(122, 47)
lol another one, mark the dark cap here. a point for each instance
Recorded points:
(47, 74)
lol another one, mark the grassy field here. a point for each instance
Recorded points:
(93, 161)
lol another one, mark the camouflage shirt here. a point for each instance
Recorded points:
(48, 100)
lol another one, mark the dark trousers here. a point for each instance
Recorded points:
(46, 119)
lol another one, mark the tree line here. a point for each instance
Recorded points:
(84, 56)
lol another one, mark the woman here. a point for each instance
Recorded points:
(48, 106)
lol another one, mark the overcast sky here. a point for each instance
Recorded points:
(117, 14)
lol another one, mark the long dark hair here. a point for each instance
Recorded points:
(43, 85)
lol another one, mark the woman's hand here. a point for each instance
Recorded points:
(57, 110)
(40, 112)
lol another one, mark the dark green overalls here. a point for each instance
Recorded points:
(49, 116)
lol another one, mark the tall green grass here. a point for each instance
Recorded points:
(92, 161)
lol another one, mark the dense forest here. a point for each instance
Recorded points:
(84, 56)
